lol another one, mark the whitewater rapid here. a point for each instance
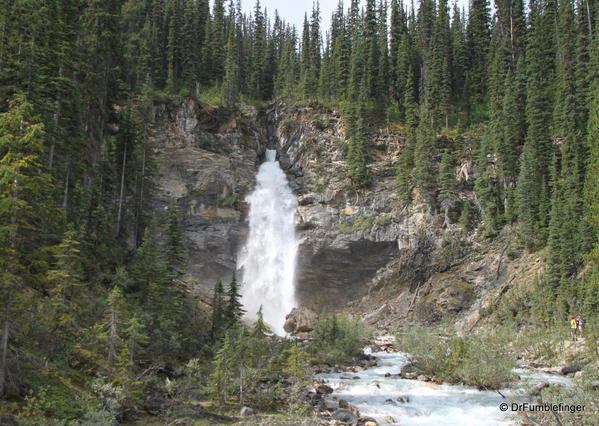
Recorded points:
(393, 400)
(268, 258)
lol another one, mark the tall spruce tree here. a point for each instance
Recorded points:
(218, 311)
(357, 152)
(534, 182)
(231, 82)
(477, 39)
(234, 309)
(24, 212)
(425, 156)
(406, 159)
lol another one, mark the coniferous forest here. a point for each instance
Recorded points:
(93, 298)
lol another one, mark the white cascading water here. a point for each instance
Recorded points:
(269, 256)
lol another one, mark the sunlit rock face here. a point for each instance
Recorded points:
(356, 249)
(207, 161)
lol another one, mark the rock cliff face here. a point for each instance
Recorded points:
(359, 250)
(207, 161)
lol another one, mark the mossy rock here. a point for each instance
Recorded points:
(447, 294)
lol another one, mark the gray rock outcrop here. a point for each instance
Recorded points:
(367, 251)
(300, 320)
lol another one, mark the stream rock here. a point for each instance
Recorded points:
(247, 411)
(536, 391)
(408, 371)
(345, 416)
(300, 320)
(569, 369)
(323, 389)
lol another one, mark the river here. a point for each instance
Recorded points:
(393, 400)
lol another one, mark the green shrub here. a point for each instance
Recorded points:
(486, 363)
(582, 392)
(310, 146)
(383, 220)
(538, 343)
(211, 95)
(475, 360)
(320, 124)
(357, 224)
(337, 339)
(256, 369)
(288, 125)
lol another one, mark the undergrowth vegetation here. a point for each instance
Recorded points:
(338, 339)
(583, 392)
(477, 360)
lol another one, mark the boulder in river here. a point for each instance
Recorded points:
(408, 368)
(246, 411)
(345, 416)
(569, 369)
(323, 389)
(300, 320)
(331, 405)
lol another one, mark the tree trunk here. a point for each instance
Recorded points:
(65, 199)
(141, 197)
(589, 18)
(4, 357)
(241, 386)
(55, 119)
(112, 342)
(122, 192)
(512, 40)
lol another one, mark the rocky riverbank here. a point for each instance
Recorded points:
(383, 387)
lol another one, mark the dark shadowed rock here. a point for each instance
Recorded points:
(408, 371)
(300, 320)
(345, 416)
(8, 421)
(569, 369)
(323, 389)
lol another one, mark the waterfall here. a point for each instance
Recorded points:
(268, 258)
